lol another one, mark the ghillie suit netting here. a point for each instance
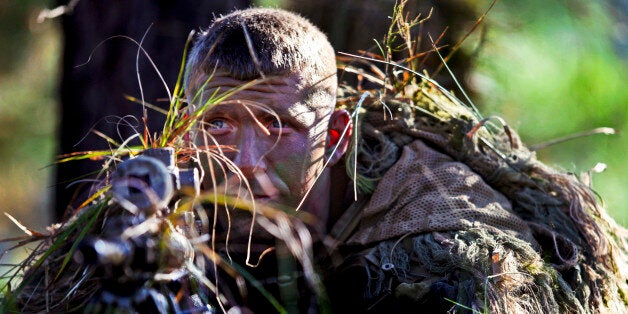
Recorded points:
(457, 207)
(455, 213)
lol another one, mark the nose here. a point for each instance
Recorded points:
(250, 154)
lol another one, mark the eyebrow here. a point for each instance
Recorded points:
(265, 112)
(271, 84)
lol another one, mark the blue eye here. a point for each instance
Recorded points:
(278, 124)
(216, 124)
(280, 127)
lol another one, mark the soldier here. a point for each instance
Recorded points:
(284, 130)
(440, 231)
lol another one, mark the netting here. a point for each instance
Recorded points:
(429, 164)
(428, 191)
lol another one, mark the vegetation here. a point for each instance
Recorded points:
(550, 68)
(543, 109)
(28, 110)
(554, 68)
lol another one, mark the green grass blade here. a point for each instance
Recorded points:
(257, 285)
(59, 242)
(175, 102)
(80, 237)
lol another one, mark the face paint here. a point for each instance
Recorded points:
(278, 140)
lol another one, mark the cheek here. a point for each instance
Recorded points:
(213, 170)
(297, 166)
(291, 164)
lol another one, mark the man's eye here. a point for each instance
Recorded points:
(218, 126)
(278, 126)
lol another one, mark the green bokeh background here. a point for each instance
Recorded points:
(549, 67)
(554, 68)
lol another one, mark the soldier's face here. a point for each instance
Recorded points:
(278, 139)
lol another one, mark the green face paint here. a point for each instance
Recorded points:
(278, 142)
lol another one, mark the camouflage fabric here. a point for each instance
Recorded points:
(458, 215)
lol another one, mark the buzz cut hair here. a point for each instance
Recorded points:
(248, 44)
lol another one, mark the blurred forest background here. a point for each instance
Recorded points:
(549, 67)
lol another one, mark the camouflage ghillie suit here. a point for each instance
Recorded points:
(456, 214)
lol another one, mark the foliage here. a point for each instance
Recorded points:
(549, 66)
(552, 69)
(29, 54)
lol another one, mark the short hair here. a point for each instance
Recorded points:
(282, 43)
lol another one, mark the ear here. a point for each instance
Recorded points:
(337, 142)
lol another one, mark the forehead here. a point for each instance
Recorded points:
(291, 91)
(284, 96)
